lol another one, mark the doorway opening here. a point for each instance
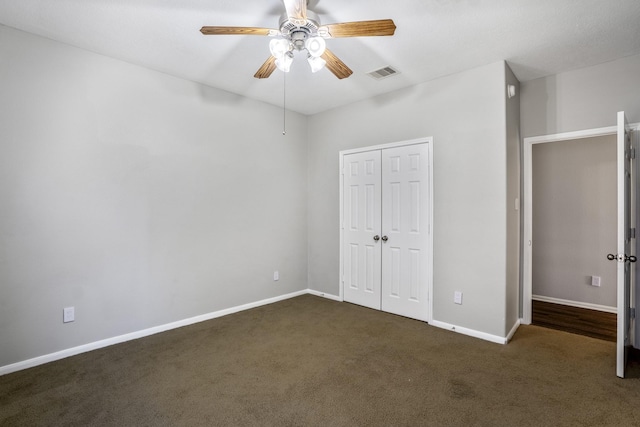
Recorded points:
(574, 220)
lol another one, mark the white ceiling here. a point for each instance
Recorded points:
(433, 38)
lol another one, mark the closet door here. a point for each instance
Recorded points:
(405, 237)
(361, 228)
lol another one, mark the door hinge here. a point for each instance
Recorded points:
(631, 153)
(632, 313)
(632, 233)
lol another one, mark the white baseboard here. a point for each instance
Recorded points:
(325, 295)
(30, 363)
(513, 330)
(578, 304)
(470, 332)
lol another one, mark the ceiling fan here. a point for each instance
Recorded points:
(300, 30)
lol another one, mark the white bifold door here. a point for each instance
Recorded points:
(386, 229)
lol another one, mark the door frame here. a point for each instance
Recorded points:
(424, 140)
(527, 262)
(527, 196)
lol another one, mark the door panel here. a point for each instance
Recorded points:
(361, 223)
(625, 223)
(405, 223)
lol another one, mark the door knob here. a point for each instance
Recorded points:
(376, 237)
(611, 257)
(385, 238)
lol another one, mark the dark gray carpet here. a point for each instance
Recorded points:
(311, 361)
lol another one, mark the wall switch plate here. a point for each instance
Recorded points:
(457, 297)
(68, 314)
(595, 281)
(276, 275)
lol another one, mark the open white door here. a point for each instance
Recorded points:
(624, 255)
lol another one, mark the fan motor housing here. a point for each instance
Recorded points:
(288, 28)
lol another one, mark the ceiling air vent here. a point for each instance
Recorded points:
(383, 73)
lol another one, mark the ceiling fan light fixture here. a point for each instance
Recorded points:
(279, 47)
(284, 62)
(316, 63)
(315, 46)
(300, 29)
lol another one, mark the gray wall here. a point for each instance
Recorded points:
(132, 195)
(586, 98)
(465, 113)
(513, 202)
(574, 219)
(138, 198)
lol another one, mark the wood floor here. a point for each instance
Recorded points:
(592, 323)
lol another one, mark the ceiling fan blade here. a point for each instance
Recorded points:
(335, 65)
(381, 27)
(256, 31)
(296, 11)
(266, 69)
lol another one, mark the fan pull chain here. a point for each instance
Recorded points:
(284, 104)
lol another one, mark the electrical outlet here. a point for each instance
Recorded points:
(457, 297)
(276, 276)
(68, 314)
(595, 281)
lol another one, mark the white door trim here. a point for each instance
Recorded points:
(527, 289)
(341, 154)
(425, 140)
